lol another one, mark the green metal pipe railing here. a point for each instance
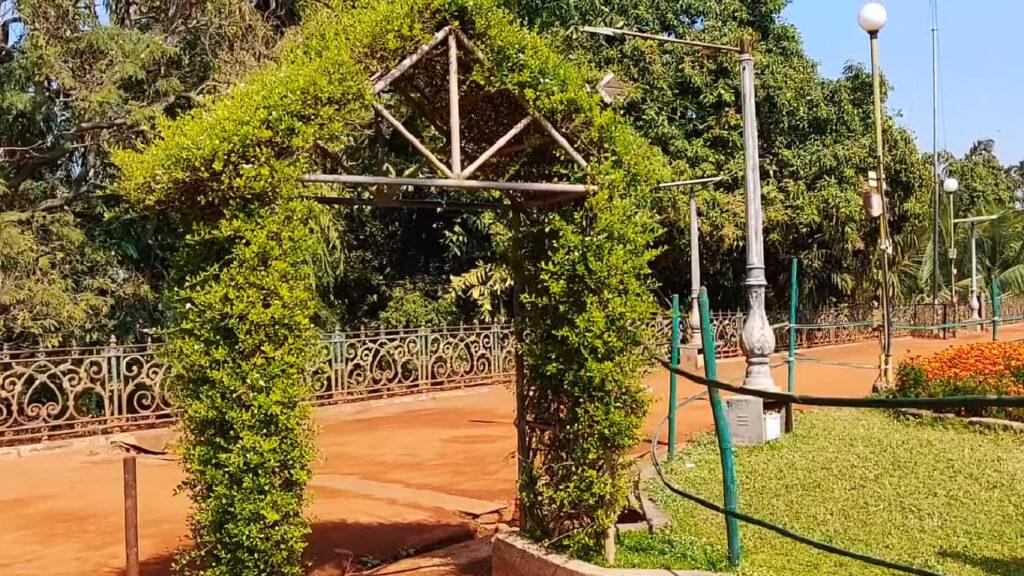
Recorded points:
(673, 379)
(731, 496)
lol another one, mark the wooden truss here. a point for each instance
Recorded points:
(455, 175)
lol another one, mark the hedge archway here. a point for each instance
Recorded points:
(243, 329)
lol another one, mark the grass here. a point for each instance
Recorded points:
(935, 495)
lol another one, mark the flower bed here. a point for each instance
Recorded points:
(984, 368)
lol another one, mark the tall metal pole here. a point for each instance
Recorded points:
(757, 339)
(935, 160)
(794, 292)
(886, 248)
(975, 304)
(952, 263)
(694, 319)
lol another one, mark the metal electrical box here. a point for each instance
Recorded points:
(750, 423)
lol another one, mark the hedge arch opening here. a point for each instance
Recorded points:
(363, 98)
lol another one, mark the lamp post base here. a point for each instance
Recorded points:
(691, 357)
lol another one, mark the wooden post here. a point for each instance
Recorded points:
(412, 140)
(524, 455)
(131, 517)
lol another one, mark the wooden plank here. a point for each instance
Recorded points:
(416, 496)
(438, 205)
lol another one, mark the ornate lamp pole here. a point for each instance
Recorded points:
(757, 339)
(693, 320)
(950, 186)
(872, 19)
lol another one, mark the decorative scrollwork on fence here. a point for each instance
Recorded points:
(48, 393)
(67, 391)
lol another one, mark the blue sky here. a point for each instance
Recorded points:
(981, 84)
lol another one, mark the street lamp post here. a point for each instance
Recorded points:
(950, 186)
(975, 302)
(872, 19)
(693, 320)
(757, 338)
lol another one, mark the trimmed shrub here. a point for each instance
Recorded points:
(243, 337)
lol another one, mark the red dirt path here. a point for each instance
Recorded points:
(390, 476)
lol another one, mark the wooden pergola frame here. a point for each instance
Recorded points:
(454, 175)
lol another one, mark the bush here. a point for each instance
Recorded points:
(990, 368)
(245, 340)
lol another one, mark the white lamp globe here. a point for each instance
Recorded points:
(872, 17)
(950, 185)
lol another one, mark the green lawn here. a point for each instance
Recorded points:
(935, 495)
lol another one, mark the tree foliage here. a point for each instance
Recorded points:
(816, 140)
(77, 79)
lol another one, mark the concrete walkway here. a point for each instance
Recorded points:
(393, 476)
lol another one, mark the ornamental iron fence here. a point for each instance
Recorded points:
(60, 392)
(53, 393)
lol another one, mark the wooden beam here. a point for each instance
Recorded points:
(410, 60)
(468, 45)
(548, 127)
(693, 182)
(439, 205)
(554, 133)
(496, 147)
(550, 200)
(453, 106)
(412, 140)
(359, 180)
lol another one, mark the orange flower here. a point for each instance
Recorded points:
(982, 362)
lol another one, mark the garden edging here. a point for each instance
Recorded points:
(991, 423)
(514, 555)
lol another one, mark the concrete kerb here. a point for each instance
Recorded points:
(989, 423)
(514, 555)
(653, 516)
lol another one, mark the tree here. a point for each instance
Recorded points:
(76, 80)
(816, 138)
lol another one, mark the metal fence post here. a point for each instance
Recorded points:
(115, 406)
(672, 379)
(342, 365)
(997, 308)
(791, 375)
(424, 359)
(495, 349)
(732, 525)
